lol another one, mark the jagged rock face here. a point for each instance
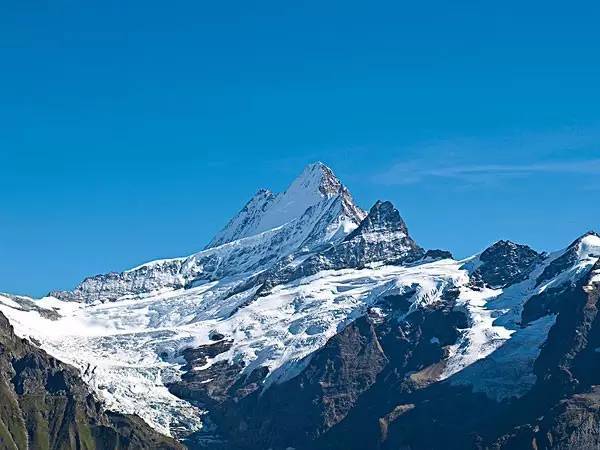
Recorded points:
(560, 264)
(575, 261)
(505, 263)
(381, 237)
(196, 384)
(572, 424)
(563, 410)
(407, 389)
(435, 254)
(383, 218)
(326, 390)
(44, 404)
(352, 379)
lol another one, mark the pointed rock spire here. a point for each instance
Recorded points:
(382, 217)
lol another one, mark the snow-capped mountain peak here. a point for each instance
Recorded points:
(315, 177)
(316, 209)
(313, 187)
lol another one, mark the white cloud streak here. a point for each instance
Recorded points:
(477, 161)
(414, 172)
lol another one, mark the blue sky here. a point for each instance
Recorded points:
(134, 130)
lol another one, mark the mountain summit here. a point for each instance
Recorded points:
(265, 211)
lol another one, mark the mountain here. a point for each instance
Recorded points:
(316, 209)
(307, 323)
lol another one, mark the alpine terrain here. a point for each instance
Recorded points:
(310, 323)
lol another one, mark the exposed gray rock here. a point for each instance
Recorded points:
(398, 354)
(303, 408)
(505, 263)
(379, 381)
(435, 254)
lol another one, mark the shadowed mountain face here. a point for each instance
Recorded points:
(309, 324)
(44, 404)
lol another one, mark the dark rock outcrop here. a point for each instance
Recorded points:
(561, 411)
(209, 386)
(301, 409)
(572, 424)
(381, 236)
(436, 254)
(505, 263)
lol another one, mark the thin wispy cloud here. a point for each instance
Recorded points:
(414, 172)
(478, 161)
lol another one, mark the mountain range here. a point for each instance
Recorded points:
(310, 323)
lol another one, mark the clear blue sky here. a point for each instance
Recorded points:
(134, 130)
